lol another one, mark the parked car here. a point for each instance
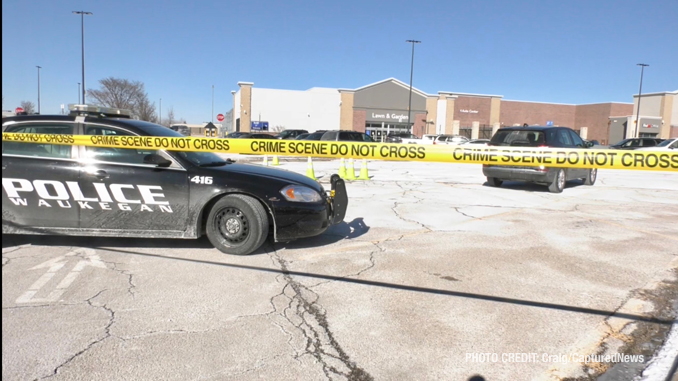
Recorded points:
(256, 136)
(451, 139)
(290, 134)
(535, 136)
(666, 145)
(301, 136)
(315, 135)
(635, 143)
(478, 142)
(235, 135)
(401, 137)
(181, 128)
(428, 138)
(346, 136)
(139, 192)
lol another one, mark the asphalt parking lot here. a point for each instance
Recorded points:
(431, 274)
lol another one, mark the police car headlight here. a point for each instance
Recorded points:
(300, 193)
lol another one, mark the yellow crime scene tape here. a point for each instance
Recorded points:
(493, 155)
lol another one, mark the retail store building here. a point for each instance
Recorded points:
(382, 107)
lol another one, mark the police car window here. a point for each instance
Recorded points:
(197, 158)
(39, 150)
(115, 155)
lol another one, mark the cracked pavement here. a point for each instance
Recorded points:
(429, 265)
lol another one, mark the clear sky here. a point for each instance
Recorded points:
(550, 51)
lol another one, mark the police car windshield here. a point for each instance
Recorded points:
(203, 159)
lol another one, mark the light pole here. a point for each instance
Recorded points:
(233, 116)
(640, 91)
(39, 67)
(78, 92)
(212, 103)
(409, 105)
(82, 27)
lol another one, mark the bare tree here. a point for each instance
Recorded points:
(123, 93)
(170, 116)
(145, 110)
(28, 106)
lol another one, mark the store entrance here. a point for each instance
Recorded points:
(378, 131)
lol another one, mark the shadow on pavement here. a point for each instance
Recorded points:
(410, 288)
(334, 234)
(532, 187)
(44, 240)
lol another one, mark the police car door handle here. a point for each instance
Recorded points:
(100, 173)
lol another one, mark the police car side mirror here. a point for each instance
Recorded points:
(155, 159)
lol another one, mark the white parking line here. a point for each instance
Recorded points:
(90, 258)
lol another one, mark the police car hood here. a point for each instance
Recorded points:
(272, 173)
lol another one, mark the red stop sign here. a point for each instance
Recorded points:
(18, 110)
(220, 117)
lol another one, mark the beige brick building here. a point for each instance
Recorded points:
(383, 107)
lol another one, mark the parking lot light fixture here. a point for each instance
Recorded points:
(640, 91)
(409, 105)
(39, 67)
(82, 27)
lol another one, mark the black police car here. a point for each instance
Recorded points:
(538, 136)
(76, 190)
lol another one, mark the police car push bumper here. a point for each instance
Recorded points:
(308, 219)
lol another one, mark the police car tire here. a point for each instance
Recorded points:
(257, 219)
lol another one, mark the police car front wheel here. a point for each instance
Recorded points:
(237, 224)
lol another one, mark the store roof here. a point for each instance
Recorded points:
(397, 82)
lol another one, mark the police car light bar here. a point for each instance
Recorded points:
(110, 112)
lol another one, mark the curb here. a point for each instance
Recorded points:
(612, 334)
